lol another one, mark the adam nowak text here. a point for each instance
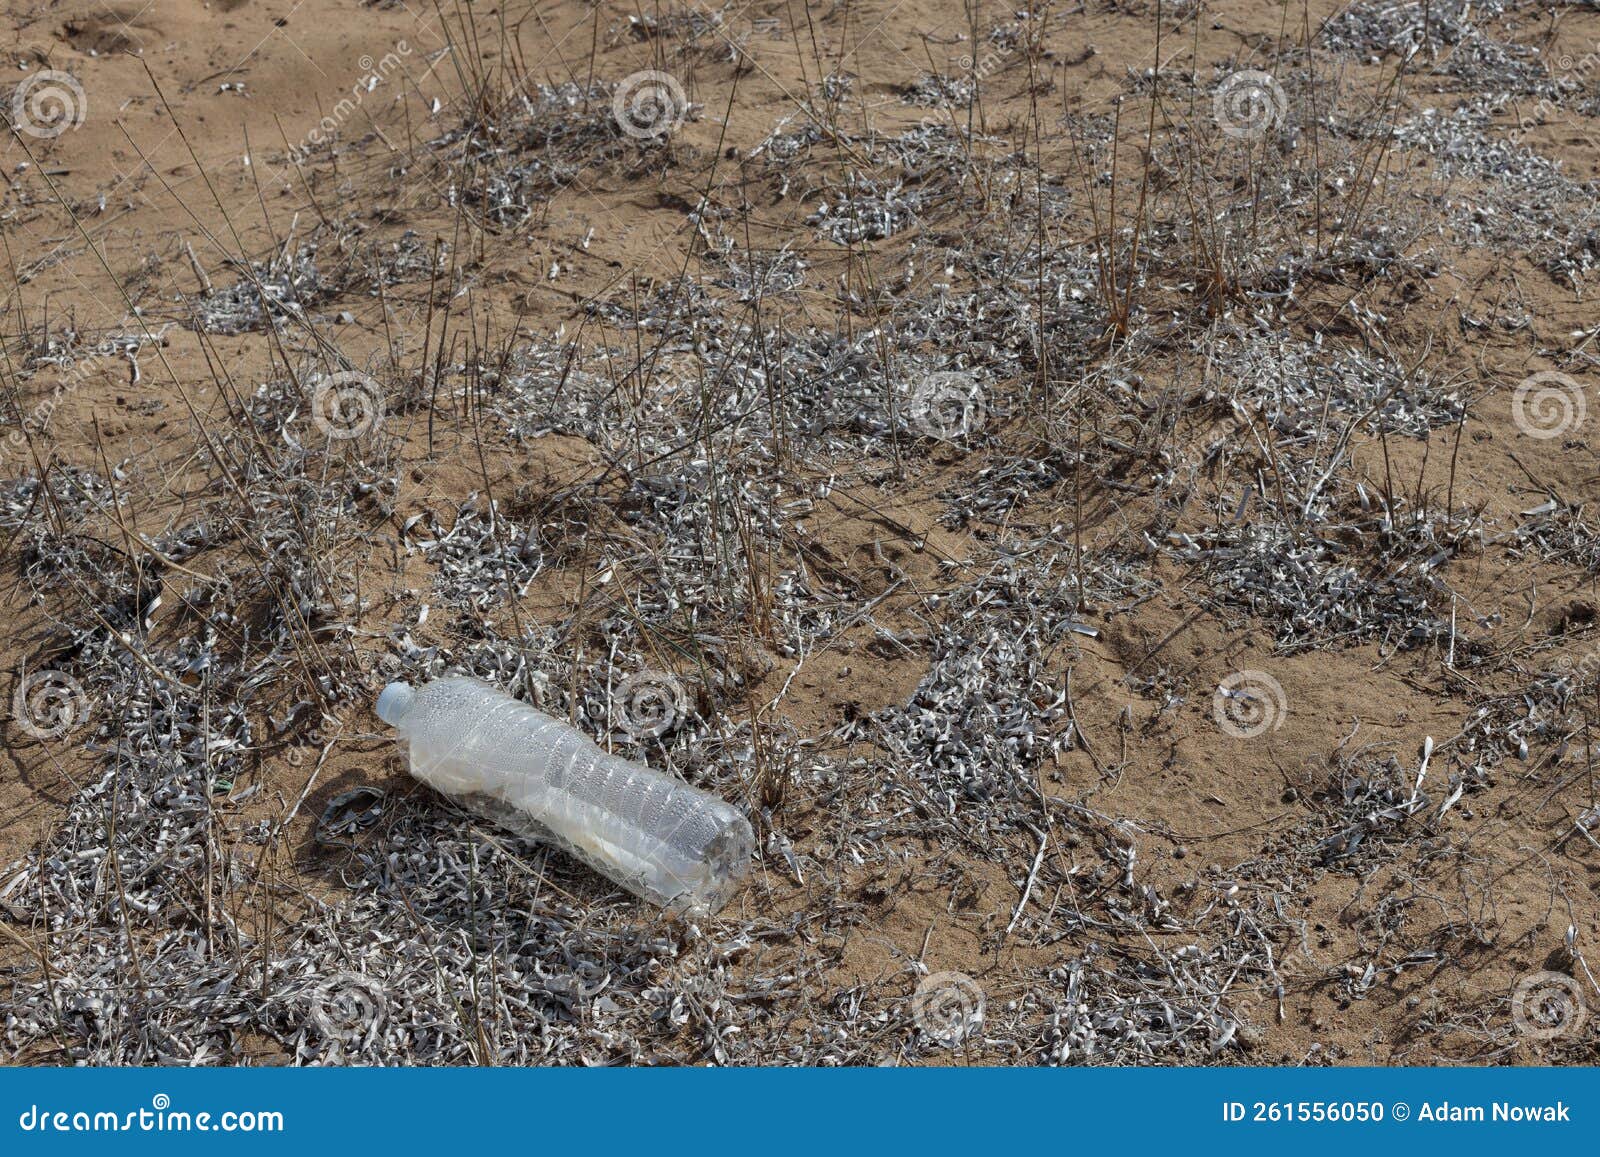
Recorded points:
(1498, 1111)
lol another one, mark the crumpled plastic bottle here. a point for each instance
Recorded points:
(661, 839)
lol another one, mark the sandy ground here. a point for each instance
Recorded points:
(1303, 405)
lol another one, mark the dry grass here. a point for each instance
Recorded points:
(948, 430)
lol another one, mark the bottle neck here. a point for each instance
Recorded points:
(394, 701)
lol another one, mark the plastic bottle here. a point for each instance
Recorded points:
(661, 839)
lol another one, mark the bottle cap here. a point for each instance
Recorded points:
(394, 702)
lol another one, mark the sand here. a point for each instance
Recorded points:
(945, 425)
